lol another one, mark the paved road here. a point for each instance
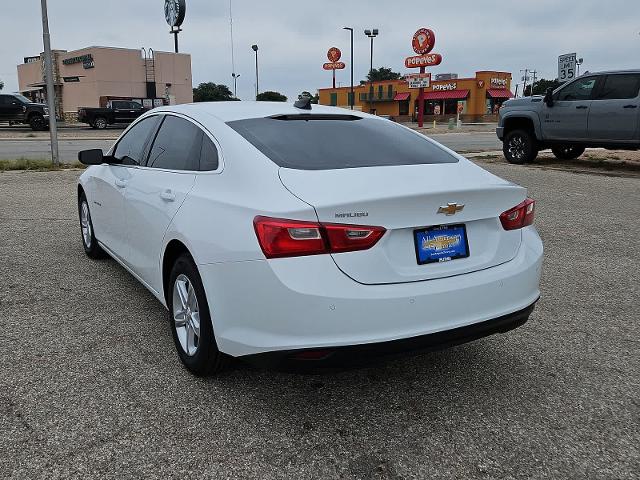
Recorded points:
(10, 149)
(91, 386)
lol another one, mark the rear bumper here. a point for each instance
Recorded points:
(500, 132)
(359, 354)
(307, 303)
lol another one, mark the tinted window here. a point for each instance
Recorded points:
(130, 148)
(578, 90)
(177, 146)
(5, 100)
(620, 86)
(120, 104)
(208, 155)
(324, 142)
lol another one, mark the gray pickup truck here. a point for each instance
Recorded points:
(594, 110)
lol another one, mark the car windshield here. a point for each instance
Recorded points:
(325, 142)
(22, 98)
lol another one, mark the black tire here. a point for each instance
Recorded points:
(206, 359)
(37, 122)
(89, 241)
(100, 123)
(519, 146)
(567, 152)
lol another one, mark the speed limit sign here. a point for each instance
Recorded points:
(566, 67)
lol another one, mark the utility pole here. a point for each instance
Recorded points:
(352, 99)
(51, 94)
(533, 72)
(233, 61)
(255, 49)
(525, 78)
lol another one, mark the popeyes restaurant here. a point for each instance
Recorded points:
(478, 97)
(423, 96)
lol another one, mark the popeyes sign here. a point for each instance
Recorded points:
(423, 42)
(334, 55)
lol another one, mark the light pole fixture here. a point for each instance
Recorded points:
(352, 99)
(578, 63)
(255, 49)
(235, 84)
(371, 34)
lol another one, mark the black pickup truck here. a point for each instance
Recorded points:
(15, 108)
(116, 111)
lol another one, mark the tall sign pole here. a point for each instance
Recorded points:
(51, 94)
(423, 42)
(334, 54)
(174, 12)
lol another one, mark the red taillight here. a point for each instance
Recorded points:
(279, 237)
(519, 216)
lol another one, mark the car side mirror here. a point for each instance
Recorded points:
(92, 157)
(548, 97)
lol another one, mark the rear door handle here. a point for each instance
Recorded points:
(168, 196)
(630, 106)
(121, 183)
(582, 107)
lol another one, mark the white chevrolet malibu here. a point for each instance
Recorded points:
(284, 233)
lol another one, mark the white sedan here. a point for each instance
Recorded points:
(285, 233)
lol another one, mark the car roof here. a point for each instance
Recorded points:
(611, 72)
(241, 110)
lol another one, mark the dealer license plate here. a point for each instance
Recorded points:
(442, 243)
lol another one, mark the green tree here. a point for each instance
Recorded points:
(540, 87)
(381, 74)
(314, 98)
(270, 96)
(1, 84)
(211, 92)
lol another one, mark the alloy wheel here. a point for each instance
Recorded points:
(517, 147)
(186, 315)
(85, 224)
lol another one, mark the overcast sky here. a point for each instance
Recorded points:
(294, 35)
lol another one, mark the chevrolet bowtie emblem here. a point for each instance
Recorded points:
(451, 208)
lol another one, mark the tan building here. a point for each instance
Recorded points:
(94, 75)
(478, 97)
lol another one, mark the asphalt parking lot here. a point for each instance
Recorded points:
(91, 386)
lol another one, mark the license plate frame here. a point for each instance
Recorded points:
(459, 251)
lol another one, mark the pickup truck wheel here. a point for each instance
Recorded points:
(37, 122)
(519, 146)
(567, 152)
(100, 123)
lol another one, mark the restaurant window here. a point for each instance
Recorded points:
(380, 91)
(334, 99)
(350, 99)
(450, 107)
(390, 91)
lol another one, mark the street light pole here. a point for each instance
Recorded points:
(51, 94)
(255, 49)
(371, 34)
(235, 84)
(352, 99)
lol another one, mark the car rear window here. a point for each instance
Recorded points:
(327, 142)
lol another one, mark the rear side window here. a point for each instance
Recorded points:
(620, 86)
(208, 155)
(327, 142)
(130, 148)
(177, 145)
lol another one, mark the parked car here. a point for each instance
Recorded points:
(594, 110)
(15, 108)
(276, 233)
(116, 111)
